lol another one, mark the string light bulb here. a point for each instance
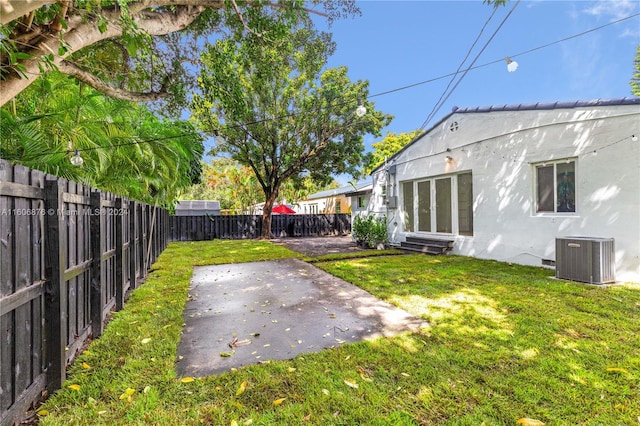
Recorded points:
(361, 110)
(77, 160)
(511, 64)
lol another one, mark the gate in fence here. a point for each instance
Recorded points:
(68, 256)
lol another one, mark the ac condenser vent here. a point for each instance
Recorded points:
(584, 259)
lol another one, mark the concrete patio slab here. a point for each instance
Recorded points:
(244, 314)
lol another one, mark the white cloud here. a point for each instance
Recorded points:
(613, 10)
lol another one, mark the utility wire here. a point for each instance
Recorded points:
(398, 89)
(453, 77)
(431, 80)
(438, 105)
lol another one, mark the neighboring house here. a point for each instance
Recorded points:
(503, 182)
(361, 200)
(328, 202)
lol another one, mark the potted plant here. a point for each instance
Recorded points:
(360, 230)
(379, 235)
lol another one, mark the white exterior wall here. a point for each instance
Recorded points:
(500, 148)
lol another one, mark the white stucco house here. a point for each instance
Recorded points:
(504, 182)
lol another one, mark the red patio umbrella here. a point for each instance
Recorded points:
(283, 209)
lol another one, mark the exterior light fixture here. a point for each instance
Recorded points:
(76, 160)
(361, 110)
(511, 64)
(448, 159)
(634, 138)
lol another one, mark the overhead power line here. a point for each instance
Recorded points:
(431, 80)
(441, 101)
(387, 92)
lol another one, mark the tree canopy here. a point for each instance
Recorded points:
(237, 189)
(137, 50)
(126, 148)
(274, 108)
(387, 147)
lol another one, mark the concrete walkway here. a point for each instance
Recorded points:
(243, 314)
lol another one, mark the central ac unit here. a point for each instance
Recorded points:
(585, 259)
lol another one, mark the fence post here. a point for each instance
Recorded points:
(55, 289)
(133, 245)
(98, 298)
(119, 225)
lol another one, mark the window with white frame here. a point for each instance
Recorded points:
(361, 202)
(555, 186)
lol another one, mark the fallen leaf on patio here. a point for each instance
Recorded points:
(145, 341)
(242, 388)
(405, 374)
(91, 401)
(325, 391)
(146, 389)
(617, 370)
(227, 354)
(234, 423)
(255, 334)
(278, 401)
(351, 383)
(332, 316)
(42, 413)
(291, 369)
(347, 357)
(529, 422)
(187, 379)
(74, 387)
(266, 345)
(244, 342)
(307, 417)
(86, 366)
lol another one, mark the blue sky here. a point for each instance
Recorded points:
(399, 43)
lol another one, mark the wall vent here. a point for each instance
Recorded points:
(585, 259)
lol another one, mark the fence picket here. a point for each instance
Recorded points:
(48, 263)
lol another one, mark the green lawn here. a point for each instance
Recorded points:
(506, 343)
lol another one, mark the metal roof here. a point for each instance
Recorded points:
(337, 191)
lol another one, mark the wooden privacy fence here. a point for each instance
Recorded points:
(198, 228)
(68, 256)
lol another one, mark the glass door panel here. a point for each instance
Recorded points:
(443, 205)
(424, 206)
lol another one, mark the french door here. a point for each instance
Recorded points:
(439, 205)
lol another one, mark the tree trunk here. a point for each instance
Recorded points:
(266, 214)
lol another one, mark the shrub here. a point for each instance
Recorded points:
(369, 230)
